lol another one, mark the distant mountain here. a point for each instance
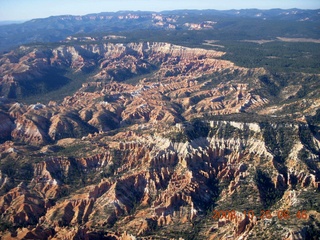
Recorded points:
(59, 27)
(10, 22)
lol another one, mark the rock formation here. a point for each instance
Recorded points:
(156, 158)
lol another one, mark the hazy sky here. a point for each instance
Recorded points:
(29, 9)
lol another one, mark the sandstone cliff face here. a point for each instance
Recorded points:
(114, 61)
(152, 185)
(177, 97)
(181, 84)
(30, 129)
(22, 207)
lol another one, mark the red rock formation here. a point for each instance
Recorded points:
(21, 207)
(138, 179)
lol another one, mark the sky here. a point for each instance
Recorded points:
(30, 9)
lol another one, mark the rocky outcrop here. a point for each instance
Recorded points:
(25, 233)
(121, 160)
(21, 206)
(181, 85)
(115, 61)
(152, 184)
(4, 180)
(31, 129)
(68, 125)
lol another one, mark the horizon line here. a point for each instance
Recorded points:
(17, 21)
